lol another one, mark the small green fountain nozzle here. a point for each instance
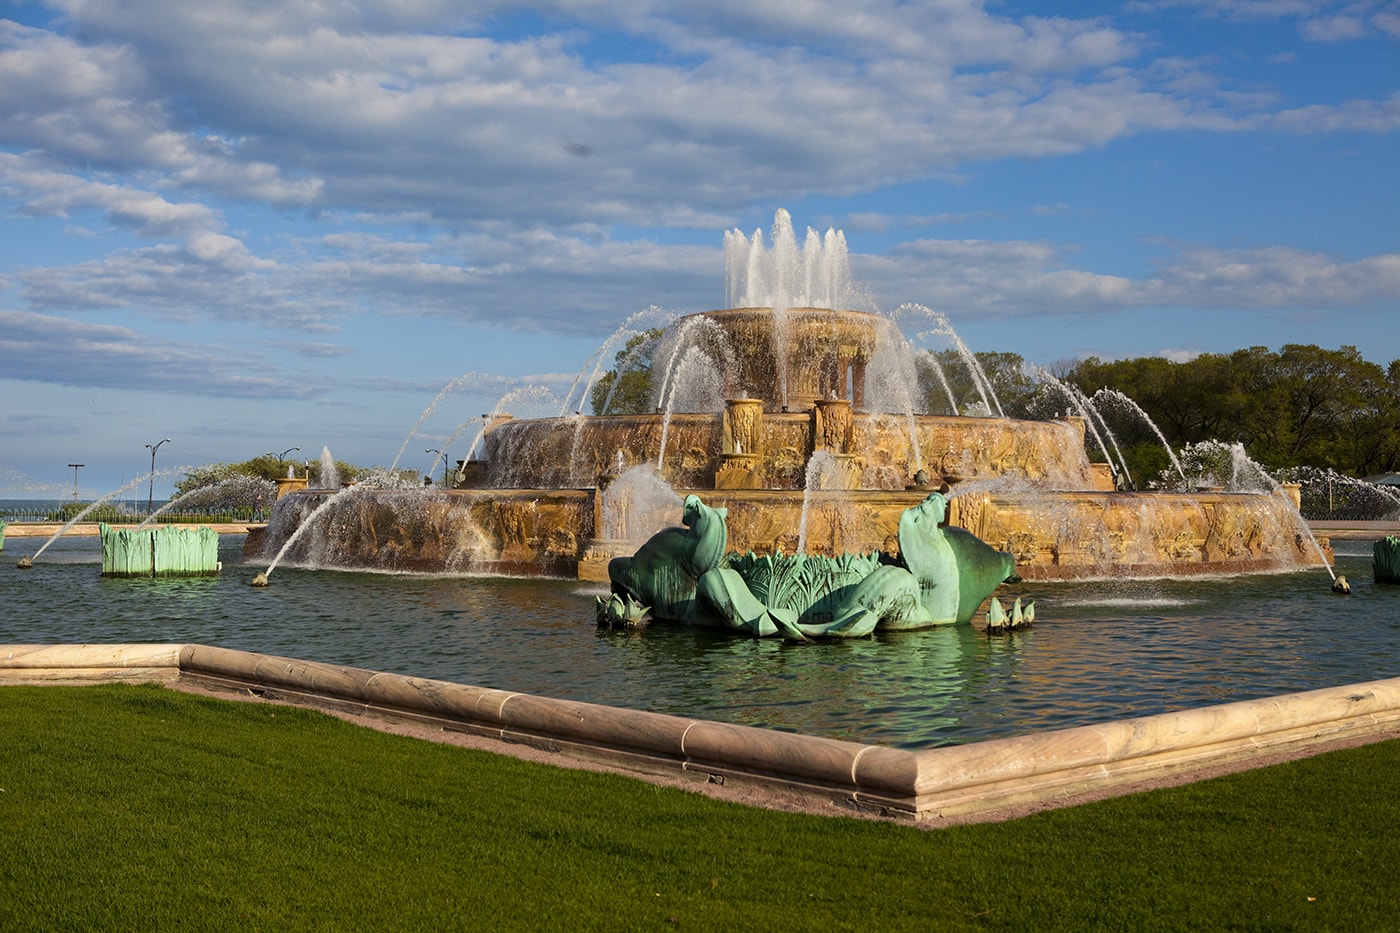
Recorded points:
(1386, 559)
(259, 579)
(25, 563)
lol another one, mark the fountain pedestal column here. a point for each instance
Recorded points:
(833, 434)
(835, 426)
(1293, 492)
(741, 453)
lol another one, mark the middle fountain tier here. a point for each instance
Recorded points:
(786, 386)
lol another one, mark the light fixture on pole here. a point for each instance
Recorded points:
(443, 455)
(75, 467)
(282, 458)
(151, 493)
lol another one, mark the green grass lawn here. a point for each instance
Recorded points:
(142, 808)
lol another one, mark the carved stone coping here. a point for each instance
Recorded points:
(919, 785)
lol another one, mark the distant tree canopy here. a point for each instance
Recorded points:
(266, 467)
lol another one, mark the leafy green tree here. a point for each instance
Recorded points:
(1326, 389)
(1014, 386)
(1377, 427)
(626, 389)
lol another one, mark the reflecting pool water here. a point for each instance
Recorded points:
(1098, 651)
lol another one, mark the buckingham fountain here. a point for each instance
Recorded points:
(784, 432)
(795, 415)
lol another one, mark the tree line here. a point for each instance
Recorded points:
(1300, 406)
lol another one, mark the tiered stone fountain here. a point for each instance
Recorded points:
(794, 435)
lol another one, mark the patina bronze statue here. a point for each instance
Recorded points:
(940, 576)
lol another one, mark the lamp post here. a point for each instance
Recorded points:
(443, 455)
(151, 493)
(75, 467)
(281, 458)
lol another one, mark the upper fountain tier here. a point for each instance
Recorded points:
(788, 357)
(787, 337)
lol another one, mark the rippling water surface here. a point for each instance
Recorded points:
(1098, 651)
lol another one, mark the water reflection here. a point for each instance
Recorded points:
(1099, 650)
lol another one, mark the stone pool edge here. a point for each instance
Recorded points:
(919, 785)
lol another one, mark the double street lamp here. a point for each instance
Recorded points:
(283, 455)
(151, 493)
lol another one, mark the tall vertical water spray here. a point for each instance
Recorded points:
(785, 276)
(786, 267)
(329, 473)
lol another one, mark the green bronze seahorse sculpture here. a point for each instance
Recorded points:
(940, 577)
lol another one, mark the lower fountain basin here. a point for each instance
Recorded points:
(575, 532)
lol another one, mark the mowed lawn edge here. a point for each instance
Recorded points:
(139, 807)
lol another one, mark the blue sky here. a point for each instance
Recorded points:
(252, 226)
